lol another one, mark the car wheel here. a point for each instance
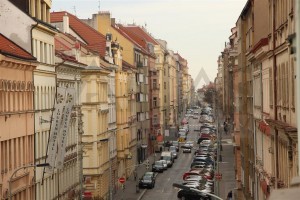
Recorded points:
(183, 198)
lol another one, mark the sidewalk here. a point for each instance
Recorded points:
(131, 191)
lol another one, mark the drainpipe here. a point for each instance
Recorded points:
(297, 73)
(275, 96)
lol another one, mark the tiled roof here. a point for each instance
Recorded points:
(7, 47)
(93, 38)
(67, 58)
(137, 38)
(60, 46)
(124, 32)
(139, 31)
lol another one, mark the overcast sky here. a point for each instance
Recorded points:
(196, 29)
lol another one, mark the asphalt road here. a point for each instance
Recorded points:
(163, 187)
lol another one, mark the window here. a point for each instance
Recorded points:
(165, 85)
(41, 52)
(139, 78)
(155, 120)
(271, 86)
(146, 98)
(154, 83)
(140, 97)
(146, 80)
(165, 99)
(141, 116)
(293, 82)
(154, 101)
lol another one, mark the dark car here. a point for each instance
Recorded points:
(147, 181)
(158, 166)
(151, 174)
(176, 144)
(191, 195)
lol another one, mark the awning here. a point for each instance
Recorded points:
(264, 186)
(264, 127)
(159, 138)
(288, 129)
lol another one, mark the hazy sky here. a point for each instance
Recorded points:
(196, 29)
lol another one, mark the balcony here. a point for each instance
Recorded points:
(155, 87)
(139, 64)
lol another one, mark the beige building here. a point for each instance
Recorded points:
(126, 91)
(99, 139)
(282, 117)
(16, 107)
(161, 63)
(173, 121)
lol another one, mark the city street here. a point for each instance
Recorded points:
(163, 187)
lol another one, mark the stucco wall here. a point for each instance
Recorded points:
(16, 22)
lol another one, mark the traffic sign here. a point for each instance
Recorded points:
(122, 180)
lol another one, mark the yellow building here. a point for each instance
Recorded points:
(126, 89)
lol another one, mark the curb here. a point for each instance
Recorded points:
(143, 193)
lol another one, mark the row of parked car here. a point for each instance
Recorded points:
(167, 158)
(201, 173)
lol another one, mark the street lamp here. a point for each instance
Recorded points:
(24, 167)
(109, 157)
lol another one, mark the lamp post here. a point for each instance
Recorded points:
(24, 167)
(109, 158)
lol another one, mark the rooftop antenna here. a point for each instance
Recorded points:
(99, 5)
(74, 7)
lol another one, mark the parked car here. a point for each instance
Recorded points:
(173, 150)
(151, 174)
(165, 164)
(167, 156)
(176, 144)
(191, 195)
(147, 181)
(158, 166)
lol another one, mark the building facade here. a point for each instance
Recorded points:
(16, 107)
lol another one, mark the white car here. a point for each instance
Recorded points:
(186, 149)
(190, 143)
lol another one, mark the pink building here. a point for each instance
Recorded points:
(16, 120)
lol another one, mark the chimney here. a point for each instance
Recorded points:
(113, 21)
(66, 27)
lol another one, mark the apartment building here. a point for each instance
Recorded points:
(16, 107)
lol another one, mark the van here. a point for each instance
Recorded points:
(167, 156)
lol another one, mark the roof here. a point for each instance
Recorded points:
(8, 47)
(137, 39)
(95, 40)
(66, 57)
(141, 32)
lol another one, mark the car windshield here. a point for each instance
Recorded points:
(166, 158)
(158, 163)
(175, 143)
(172, 148)
(149, 174)
(147, 177)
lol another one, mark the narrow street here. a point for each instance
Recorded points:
(163, 187)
